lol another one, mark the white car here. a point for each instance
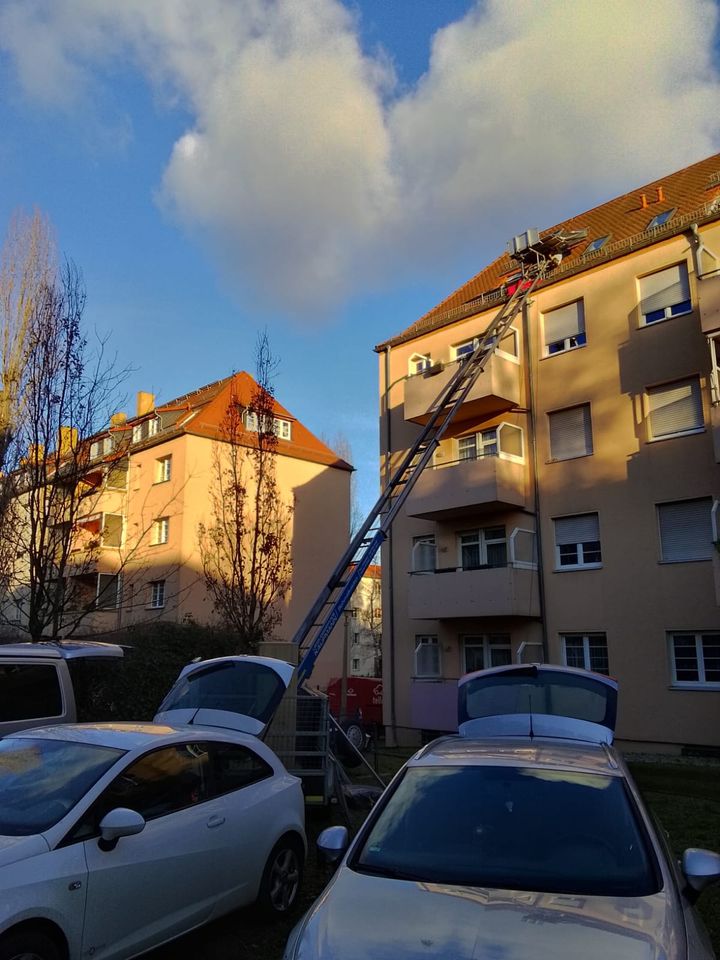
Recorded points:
(115, 838)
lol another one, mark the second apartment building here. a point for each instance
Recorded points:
(570, 515)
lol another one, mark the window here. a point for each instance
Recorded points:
(355, 666)
(160, 530)
(423, 554)
(571, 433)
(685, 530)
(148, 428)
(565, 328)
(664, 294)
(492, 650)
(505, 440)
(483, 548)
(108, 591)
(597, 244)
(29, 692)
(695, 659)
(427, 656)
(282, 429)
(112, 530)
(586, 650)
(577, 541)
(660, 219)
(234, 767)
(418, 363)
(675, 409)
(157, 594)
(100, 448)
(163, 469)
(461, 351)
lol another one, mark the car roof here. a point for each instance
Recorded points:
(538, 753)
(128, 736)
(65, 650)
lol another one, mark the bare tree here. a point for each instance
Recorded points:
(68, 391)
(245, 545)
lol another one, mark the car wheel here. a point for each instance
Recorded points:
(355, 733)
(281, 877)
(28, 945)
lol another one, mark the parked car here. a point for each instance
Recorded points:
(522, 836)
(115, 838)
(47, 683)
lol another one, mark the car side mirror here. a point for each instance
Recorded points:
(332, 843)
(701, 868)
(120, 822)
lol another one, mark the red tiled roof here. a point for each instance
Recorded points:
(689, 192)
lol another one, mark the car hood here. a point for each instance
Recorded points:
(13, 849)
(362, 917)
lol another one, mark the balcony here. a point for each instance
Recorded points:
(709, 303)
(486, 484)
(509, 591)
(496, 390)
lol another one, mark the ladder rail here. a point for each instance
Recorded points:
(362, 548)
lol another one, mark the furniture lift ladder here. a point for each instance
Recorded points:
(314, 631)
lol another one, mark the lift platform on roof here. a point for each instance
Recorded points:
(536, 257)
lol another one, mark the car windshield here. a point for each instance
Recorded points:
(547, 830)
(41, 780)
(250, 689)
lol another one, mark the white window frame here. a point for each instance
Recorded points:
(425, 540)
(512, 357)
(580, 548)
(160, 531)
(157, 595)
(587, 641)
(101, 447)
(418, 363)
(163, 468)
(684, 523)
(423, 641)
(657, 391)
(671, 310)
(482, 541)
(282, 428)
(458, 351)
(487, 643)
(572, 342)
(144, 430)
(701, 682)
(489, 438)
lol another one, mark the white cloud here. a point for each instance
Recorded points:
(311, 178)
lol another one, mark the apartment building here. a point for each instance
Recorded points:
(570, 514)
(152, 477)
(365, 625)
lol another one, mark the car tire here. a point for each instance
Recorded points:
(281, 877)
(355, 733)
(28, 945)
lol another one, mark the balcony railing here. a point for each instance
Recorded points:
(486, 591)
(489, 482)
(496, 390)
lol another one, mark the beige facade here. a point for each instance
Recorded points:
(570, 513)
(153, 488)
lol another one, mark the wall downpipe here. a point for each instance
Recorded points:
(390, 565)
(536, 482)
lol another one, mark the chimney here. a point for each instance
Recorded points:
(118, 419)
(661, 195)
(145, 403)
(67, 441)
(643, 201)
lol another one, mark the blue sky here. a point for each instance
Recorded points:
(327, 170)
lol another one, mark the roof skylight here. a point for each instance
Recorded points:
(597, 244)
(660, 219)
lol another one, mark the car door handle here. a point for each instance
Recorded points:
(215, 822)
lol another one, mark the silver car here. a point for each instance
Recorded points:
(523, 836)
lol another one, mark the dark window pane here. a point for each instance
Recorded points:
(29, 692)
(234, 767)
(711, 657)
(683, 307)
(591, 552)
(686, 665)
(655, 315)
(568, 554)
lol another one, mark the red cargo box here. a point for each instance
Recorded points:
(364, 698)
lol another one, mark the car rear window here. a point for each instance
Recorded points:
(42, 780)
(514, 828)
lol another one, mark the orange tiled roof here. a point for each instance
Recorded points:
(690, 192)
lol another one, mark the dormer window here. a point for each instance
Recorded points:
(148, 428)
(101, 447)
(660, 219)
(281, 428)
(418, 363)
